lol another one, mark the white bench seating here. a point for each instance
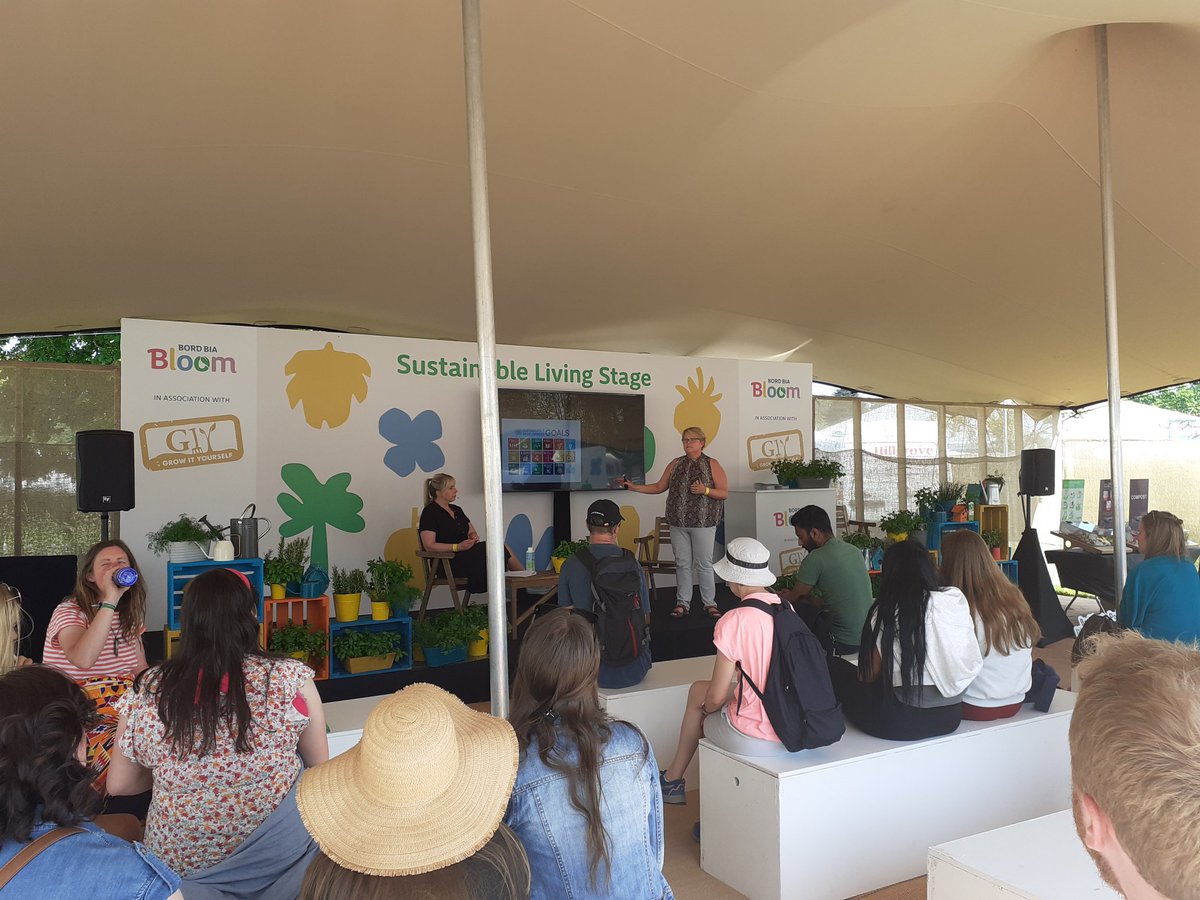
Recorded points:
(345, 720)
(1041, 858)
(862, 814)
(655, 705)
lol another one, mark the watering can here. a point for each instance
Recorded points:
(218, 550)
(244, 533)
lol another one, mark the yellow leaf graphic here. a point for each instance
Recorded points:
(698, 409)
(631, 529)
(326, 381)
(402, 547)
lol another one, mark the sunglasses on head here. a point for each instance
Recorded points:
(12, 590)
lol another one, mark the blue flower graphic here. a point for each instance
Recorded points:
(519, 538)
(415, 441)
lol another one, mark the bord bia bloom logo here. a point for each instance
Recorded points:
(183, 443)
(202, 358)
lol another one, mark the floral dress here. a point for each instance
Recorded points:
(204, 807)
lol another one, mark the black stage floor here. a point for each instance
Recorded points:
(669, 639)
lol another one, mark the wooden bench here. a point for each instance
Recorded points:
(655, 705)
(1041, 858)
(863, 813)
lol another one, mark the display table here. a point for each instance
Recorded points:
(514, 583)
(766, 517)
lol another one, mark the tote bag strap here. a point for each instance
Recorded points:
(32, 849)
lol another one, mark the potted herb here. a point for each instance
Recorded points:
(898, 524)
(444, 638)
(928, 505)
(784, 582)
(348, 586)
(995, 540)
(299, 642)
(992, 485)
(390, 583)
(282, 566)
(799, 473)
(949, 494)
(368, 651)
(476, 616)
(182, 539)
(564, 551)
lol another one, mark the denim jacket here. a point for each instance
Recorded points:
(555, 834)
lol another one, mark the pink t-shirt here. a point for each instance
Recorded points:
(748, 636)
(118, 657)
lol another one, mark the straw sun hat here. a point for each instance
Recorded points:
(426, 786)
(746, 561)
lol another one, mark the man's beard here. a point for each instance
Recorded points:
(1102, 866)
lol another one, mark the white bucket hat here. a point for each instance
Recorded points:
(746, 561)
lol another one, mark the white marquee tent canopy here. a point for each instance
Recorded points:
(903, 193)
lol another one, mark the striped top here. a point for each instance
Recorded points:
(119, 657)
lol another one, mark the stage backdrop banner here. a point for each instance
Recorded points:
(333, 435)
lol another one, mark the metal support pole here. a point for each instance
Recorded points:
(486, 325)
(1110, 308)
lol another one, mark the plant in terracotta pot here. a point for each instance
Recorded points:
(184, 539)
(390, 584)
(368, 651)
(799, 473)
(564, 551)
(898, 524)
(995, 541)
(298, 641)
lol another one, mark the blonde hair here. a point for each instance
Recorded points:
(14, 625)
(1164, 534)
(439, 482)
(695, 432)
(1008, 622)
(1134, 734)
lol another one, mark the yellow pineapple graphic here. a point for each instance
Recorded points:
(699, 406)
(631, 529)
(402, 547)
(326, 381)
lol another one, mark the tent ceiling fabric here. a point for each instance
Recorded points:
(902, 193)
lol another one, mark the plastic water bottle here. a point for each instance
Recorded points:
(971, 511)
(127, 576)
(529, 567)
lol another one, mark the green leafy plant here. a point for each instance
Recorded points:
(446, 632)
(567, 549)
(350, 644)
(348, 581)
(286, 563)
(862, 541)
(901, 521)
(950, 492)
(185, 528)
(788, 469)
(993, 539)
(297, 638)
(476, 616)
(927, 502)
(785, 582)
(996, 479)
(390, 581)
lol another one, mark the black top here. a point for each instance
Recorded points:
(447, 527)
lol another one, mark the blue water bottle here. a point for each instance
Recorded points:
(125, 577)
(529, 565)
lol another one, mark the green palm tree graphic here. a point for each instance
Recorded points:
(318, 506)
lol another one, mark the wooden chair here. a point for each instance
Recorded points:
(649, 550)
(438, 571)
(845, 523)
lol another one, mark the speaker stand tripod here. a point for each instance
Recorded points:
(1036, 585)
(103, 526)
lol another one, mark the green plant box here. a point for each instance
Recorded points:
(435, 657)
(360, 664)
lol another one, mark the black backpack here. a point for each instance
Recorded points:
(616, 592)
(798, 696)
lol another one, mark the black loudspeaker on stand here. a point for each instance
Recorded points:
(103, 473)
(1037, 480)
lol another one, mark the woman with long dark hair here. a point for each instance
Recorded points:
(918, 653)
(95, 637)
(1005, 628)
(586, 804)
(221, 730)
(45, 786)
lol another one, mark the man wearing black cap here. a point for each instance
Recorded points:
(632, 660)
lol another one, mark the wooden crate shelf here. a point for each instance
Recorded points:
(310, 611)
(994, 517)
(179, 574)
(402, 623)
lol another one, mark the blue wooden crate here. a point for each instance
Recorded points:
(401, 623)
(934, 539)
(1009, 568)
(179, 574)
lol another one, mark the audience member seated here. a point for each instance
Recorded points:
(221, 730)
(742, 636)
(832, 575)
(586, 804)
(444, 527)
(16, 622)
(1004, 627)
(1135, 772)
(45, 786)
(95, 637)
(626, 660)
(1162, 594)
(414, 809)
(919, 653)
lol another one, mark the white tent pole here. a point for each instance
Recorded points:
(1110, 308)
(485, 321)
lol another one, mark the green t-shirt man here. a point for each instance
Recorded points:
(832, 575)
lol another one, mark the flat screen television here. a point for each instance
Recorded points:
(571, 440)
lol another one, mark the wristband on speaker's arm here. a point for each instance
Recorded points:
(111, 606)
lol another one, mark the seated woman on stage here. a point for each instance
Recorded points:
(222, 730)
(1004, 627)
(1162, 595)
(917, 657)
(586, 804)
(444, 527)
